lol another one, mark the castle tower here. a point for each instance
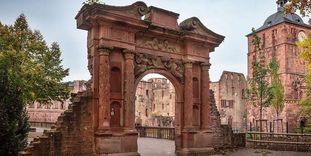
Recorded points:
(278, 36)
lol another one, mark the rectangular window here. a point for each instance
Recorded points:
(223, 103)
(231, 103)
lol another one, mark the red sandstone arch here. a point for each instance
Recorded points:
(179, 97)
(119, 37)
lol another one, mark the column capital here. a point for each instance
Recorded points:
(187, 63)
(205, 66)
(128, 54)
(104, 50)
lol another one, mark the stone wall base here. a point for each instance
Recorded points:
(121, 154)
(196, 151)
(279, 147)
(124, 144)
(200, 139)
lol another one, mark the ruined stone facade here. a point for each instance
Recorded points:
(279, 35)
(230, 96)
(122, 49)
(46, 115)
(155, 103)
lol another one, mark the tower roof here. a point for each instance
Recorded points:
(280, 17)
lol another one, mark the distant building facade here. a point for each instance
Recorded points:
(46, 115)
(279, 35)
(155, 103)
(231, 100)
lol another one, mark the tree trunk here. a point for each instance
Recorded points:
(260, 119)
(277, 121)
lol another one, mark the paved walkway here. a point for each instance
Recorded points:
(261, 152)
(156, 147)
(160, 147)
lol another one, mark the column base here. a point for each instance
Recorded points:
(200, 139)
(196, 151)
(123, 144)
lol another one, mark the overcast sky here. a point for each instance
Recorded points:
(231, 18)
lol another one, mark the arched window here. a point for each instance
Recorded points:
(115, 80)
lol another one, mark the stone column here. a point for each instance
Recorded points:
(205, 107)
(129, 90)
(188, 96)
(104, 88)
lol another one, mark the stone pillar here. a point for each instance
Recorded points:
(104, 88)
(205, 107)
(129, 90)
(188, 96)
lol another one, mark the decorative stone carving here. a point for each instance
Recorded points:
(144, 62)
(158, 44)
(136, 10)
(194, 25)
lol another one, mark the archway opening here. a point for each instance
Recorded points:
(155, 113)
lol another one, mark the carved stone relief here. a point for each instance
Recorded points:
(144, 62)
(158, 44)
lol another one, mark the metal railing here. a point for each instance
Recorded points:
(156, 132)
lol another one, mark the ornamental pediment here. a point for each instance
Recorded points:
(194, 25)
(135, 10)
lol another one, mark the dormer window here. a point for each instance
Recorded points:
(269, 23)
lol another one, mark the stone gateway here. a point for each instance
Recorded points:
(124, 44)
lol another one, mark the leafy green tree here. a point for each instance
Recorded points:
(29, 71)
(258, 86)
(276, 89)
